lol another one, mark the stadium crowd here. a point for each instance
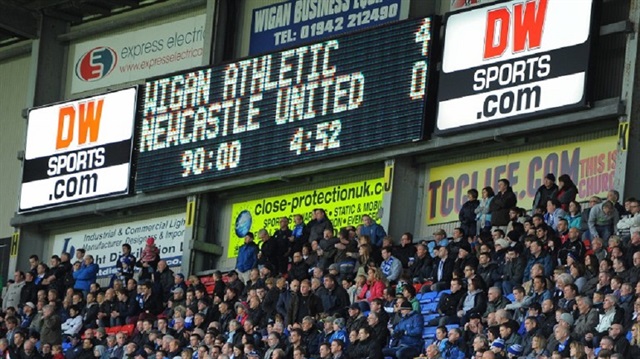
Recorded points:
(550, 281)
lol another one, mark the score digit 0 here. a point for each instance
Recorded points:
(228, 155)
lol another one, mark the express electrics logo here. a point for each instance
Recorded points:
(96, 64)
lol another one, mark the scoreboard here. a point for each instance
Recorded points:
(345, 95)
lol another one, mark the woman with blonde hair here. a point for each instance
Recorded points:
(634, 348)
(364, 255)
(374, 286)
(577, 351)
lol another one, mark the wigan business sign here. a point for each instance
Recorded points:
(78, 150)
(350, 94)
(295, 22)
(514, 60)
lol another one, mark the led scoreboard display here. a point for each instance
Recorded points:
(341, 96)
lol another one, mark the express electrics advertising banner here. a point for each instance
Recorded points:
(105, 243)
(354, 93)
(590, 164)
(513, 60)
(344, 204)
(294, 22)
(78, 150)
(137, 54)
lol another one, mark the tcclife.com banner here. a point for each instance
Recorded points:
(590, 164)
(345, 205)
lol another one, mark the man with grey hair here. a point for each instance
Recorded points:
(587, 318)
(495, 300)
(51, 327)
(611, 314)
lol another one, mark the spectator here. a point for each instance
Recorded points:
(375, 231)
(334, 298)
(567, 192)
(501, 203)
(149, 258)
(391, 266)
(11, 296)
(483, 214)
(73, 325)
(547, 191)
(467, 214)
(442, 270)
(247, 257)
(86, 274)
(554, 213)
(603, 218)
(406, 251)
(421, 267)
(407, 334)
(316, 227)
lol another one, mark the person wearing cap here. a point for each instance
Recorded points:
(339, 332)
(497, 347)
(407, 334)
(247, 258)
(463, 257)
(149, 258)
(439, 240)
(547, 191)
(28, 313)
(356, 319)
(514, 351)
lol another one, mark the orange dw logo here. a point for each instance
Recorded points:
(88, 114)
(525, 22)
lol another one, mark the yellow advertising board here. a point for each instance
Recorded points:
(591, 165)
(345, 205)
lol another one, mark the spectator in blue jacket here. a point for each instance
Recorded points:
(86, 274)
(247, 257)
(407, 334)
(373, 230)
(538, 256)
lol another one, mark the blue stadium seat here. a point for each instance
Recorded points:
(511, 297)
(428, 308)
(441, 293)
(429, 332)
(629, 336)
(429, 317)
(428, 297)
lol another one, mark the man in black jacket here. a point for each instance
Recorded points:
(448, 305)
(334, 297)
(547, 191)
(406, 250)
(379, 329)
(366, 346)
(421, 267)
(442, 271)
(501, 203)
